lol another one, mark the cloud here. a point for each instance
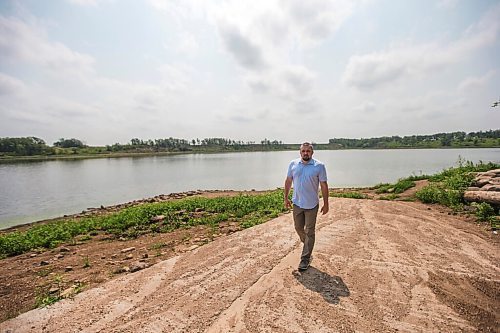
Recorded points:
(366, 107)
(84, 2)
(371, 70)
(187, 45)
(475, 82)
(10, 86)
(246, 53)
(316, 20)
(20, 41)
(447, 4)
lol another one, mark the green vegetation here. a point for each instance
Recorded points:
(28, 148)
(86, 262)
(134, 221)
(489, 138)
(448, 187)
(401, 186)
(351, 195)
(391, 196)
(44, 299)
(69, 143)
(23, 146)
(484, 211)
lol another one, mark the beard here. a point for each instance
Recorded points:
(306, 158)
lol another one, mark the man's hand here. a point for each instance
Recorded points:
(288, 204)
(325, 209)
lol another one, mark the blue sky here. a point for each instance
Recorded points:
(106, 71)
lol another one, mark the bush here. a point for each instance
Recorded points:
(484, 211)
(448, 187)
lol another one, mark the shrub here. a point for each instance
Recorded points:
(483, 211)
(448, 187)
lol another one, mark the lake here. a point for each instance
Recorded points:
(40, 190)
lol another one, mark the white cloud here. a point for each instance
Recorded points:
(447, 4)
(371, 70)
(10, 86)
(187, 45)
(366, 107)
(475, 82)
(316, 20)
(20, 41)
(84, 2)
(88, 3)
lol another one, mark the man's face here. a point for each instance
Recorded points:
(306, 153)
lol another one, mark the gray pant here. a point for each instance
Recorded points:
(305, 225)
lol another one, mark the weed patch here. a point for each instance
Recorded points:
(135, 221)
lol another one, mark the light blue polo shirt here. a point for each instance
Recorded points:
(306, 178)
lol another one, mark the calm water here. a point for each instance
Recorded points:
(38, 190)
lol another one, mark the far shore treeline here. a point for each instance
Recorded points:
(13, 148)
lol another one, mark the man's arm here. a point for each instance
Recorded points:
(324, 194)
(288, 186)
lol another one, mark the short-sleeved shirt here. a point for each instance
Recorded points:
(306, 178)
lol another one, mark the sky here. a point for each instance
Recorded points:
(107, 71)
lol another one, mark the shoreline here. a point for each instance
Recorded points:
(44, 158)
(97, 211)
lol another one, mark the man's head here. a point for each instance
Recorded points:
(306, 151)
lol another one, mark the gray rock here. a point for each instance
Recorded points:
(129, 249)
(137, 266)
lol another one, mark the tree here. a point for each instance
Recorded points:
(26, 146)
(69, 143)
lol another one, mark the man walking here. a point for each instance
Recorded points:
(306, 174)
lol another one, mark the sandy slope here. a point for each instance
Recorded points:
(378, 266)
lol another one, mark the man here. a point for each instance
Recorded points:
(306, 174)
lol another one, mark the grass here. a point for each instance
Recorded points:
(447, 188)
(351, 195)
(391, 196)
(399, 187)
(86, 262)
(134, 221)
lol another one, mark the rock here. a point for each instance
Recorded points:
(123, 269)
(495, 188)
(481, 181)
(64, 249)
(473, 188)
(137, 266)
(68, 269)
(198, 210)
(491, 197)
(53, 290)
(33, 255)
(486, 188)
(191, 248)
(44, 263)
(157, 218)
(129, 256)
(145, 255)
(69, 292)
(128, 249)
(59, 256)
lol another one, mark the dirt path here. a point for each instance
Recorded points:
(379, 266)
